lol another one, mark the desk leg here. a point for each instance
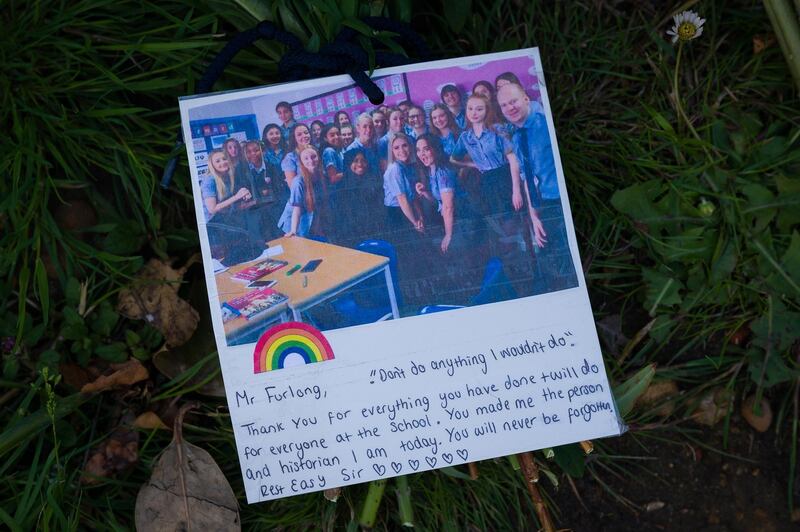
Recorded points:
(296, 315)
(392, 295)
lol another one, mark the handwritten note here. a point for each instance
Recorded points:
(416, 414)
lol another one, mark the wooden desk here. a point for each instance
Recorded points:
(341, 268)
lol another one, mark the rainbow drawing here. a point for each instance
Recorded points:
(290, 344)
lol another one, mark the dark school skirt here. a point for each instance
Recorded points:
(495, 191)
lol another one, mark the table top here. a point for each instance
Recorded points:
(340, 267)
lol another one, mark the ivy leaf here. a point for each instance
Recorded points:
(571, 458)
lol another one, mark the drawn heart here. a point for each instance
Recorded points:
(447, 457)
(431, 460)
(413, 464)
(379, 469)
(462, 453)
(397, 466)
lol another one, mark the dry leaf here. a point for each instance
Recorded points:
(653, 506)
(117, 453)
(713, 406)
(73, 375)
(760, 421)
(762, 42)
(201, 346)
(187, 491)
(154, 297)
(332, 494)
(124, 374)
(149, 420)
(660, 392)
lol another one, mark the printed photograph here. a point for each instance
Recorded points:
(321, 207)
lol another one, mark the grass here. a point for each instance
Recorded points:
(689, 220)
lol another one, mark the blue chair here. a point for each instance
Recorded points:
(495, 286)
(432, 309)
(368, 302)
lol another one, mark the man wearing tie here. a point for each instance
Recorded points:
(531, 140)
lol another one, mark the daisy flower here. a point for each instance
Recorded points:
(686, 26)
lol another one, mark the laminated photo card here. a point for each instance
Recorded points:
(394, 288)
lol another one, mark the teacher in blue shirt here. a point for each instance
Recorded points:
(531, 141)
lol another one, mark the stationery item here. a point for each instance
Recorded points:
(311, 265)
(459, 317)
(255, 303)
(263, 283)
(259, 270)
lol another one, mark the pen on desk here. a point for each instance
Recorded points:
(305, 281)
(294, 269)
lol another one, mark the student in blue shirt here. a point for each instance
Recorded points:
(286, 116)
(360, 198)
(332, 165)
(365, 139)
(441, 183)
(451, 97)
(399, 180)
(492, 154)
(416, 121)
(299, 138)
(341, 119)
(444, 126)
(222, 189)
(304, 211)
(379, 121)
(396, 124)
(532, 145)
(316, 133)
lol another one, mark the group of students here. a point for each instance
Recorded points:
(481, 161)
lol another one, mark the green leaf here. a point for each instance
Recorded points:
(637, 201)
(629, 391)
(660, 290)
(571, 458)
(42, 288)
(455, 473)
(773, 368)
(115, 352)
(104, 319)
(72, 292)
(724, 261)
(456, 13)
(790, 266)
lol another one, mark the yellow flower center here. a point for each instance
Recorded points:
(686, 31)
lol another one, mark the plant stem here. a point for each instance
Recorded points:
(404, 505)
(531, 473)
(787, 30)
(371, 503)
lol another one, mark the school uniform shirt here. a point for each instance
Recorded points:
(287, 130)
(274, 158)
(333, 157)
(399, 178)
(488, 151)
(297, 198)
(443, 179)
(541, 161)
(448, 143)
(290, 163)
(414, 135)
(461, 119)
(372, 153)
(208, 189)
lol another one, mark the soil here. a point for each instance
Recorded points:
(687, 487)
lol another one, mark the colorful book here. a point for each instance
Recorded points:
(259, 270)
(255, 303)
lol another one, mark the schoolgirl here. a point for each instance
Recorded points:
(304, 212)
(443, 125)
(492, 155)
(399, 180)
(299, 138)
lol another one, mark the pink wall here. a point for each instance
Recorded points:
(425, 86)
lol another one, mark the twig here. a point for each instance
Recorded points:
(587, 446)
(473, 470)
(531, 472)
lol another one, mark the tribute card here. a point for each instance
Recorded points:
(394, 288)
